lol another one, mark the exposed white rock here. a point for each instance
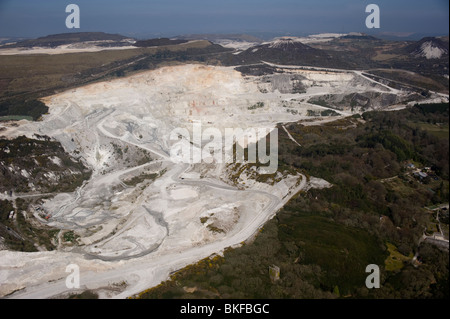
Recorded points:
(140, 234)
(430, 51)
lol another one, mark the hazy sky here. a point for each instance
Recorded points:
(31, 18)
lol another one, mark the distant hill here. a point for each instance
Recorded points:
(288, 51)
(403, 36)
(216, 37)
(359, 36)
(55, 40)
(429, 48)
(6, 40)
(158, 42)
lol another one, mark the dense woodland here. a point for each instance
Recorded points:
(322, 240)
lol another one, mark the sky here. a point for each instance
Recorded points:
(146, 18)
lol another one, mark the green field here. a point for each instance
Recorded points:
(438, 130)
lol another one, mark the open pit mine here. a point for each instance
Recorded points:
(142, 216)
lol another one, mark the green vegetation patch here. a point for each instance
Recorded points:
(395, 260)
(21, 233)
(35, 157)
(18, 109)
(438, 130)
(141, 178)
(15, 118)
(295, 242)
(342, 252)
(88, 294)
(256, 106)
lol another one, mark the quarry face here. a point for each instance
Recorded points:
(141, 216)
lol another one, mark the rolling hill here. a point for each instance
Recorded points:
(56, 40)
(429, 48)
(288, 51)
